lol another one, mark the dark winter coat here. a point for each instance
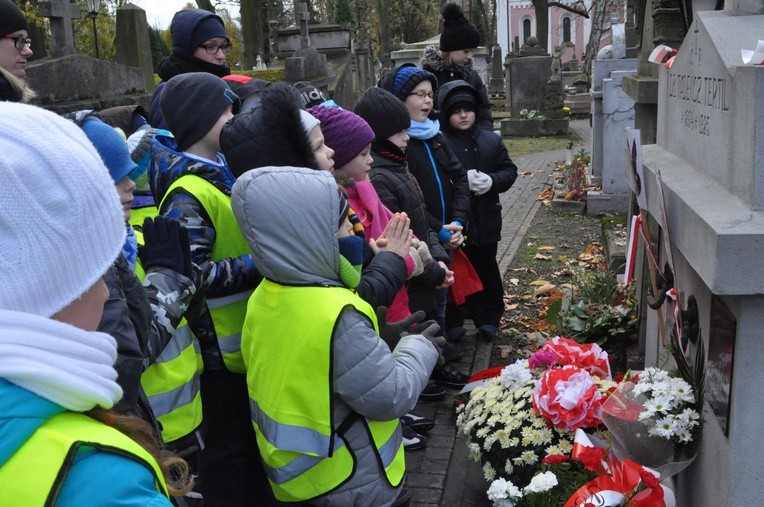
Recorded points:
(270, 135)
(142, 319)
(398, 190)
(484, 151)
(222, 278)
(446, 185)
(447, 71)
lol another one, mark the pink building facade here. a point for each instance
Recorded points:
(517, 18)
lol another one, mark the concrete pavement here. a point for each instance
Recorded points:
(441, 474)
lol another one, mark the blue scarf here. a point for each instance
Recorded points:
(130, 248)
(423, 130)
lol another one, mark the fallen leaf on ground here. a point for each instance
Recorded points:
(542, 257)
(513, 306)
(544, 289)
(526, 173)
(514, 281)
(547, 247)
(540, 282)
(523, 270)
(504, 350)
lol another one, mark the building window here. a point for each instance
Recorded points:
(565, 29)
(526, 30)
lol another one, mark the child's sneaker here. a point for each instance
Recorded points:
(417, 422)
(413, 440)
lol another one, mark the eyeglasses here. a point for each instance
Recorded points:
(19, 41)
(421, 94)
(213, 48)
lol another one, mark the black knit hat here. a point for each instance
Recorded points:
(11, 18)
(309, 94)
(193, 103)
(401, 81)
(457, 33)
(457, 94)
(383, 111)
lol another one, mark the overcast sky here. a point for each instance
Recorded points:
(159, 12)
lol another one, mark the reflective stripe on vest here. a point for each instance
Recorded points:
(171, 382)
(36, 472)
(228, 318)
(303, 455)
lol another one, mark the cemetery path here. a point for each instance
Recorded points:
(441, 474)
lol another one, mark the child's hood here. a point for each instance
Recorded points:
(289, 217)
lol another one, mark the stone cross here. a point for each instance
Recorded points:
(61, 14)
(302, 20)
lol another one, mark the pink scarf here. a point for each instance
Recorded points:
(375, 216)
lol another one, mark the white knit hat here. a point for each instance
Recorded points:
(61, 223)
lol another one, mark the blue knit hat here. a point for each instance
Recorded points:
(191, 27)
(407, 78)
(112, 148)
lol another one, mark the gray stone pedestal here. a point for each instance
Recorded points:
(526, 81)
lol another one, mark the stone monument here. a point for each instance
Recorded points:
(709, 151)
(132, 42)
(612, 113)
(496, 84)
(526, 77)
(61, 13)
(307, 64)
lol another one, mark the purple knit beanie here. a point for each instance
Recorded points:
(344, 131)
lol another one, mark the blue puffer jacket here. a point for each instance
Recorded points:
(95, 478)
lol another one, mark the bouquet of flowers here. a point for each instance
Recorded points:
(521, 424)
(653, 418)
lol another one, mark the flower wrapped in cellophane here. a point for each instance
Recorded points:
(654, 420)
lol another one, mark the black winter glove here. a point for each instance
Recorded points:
(390, 332)
(166, 245)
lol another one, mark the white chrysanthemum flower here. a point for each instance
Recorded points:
(541, 483)
(664, 427)
(488, 472)
(516, 375)
(474, 451)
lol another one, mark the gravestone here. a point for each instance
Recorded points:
(307, 64)
(61, 13)
(612, 114)
(709, 152)
(526, 81)
(132, 42)
(496, 85)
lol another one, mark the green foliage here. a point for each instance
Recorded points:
(272, 75)
(159, 49)
(343, 12)
(605, 313)
(599, 287)
(582, 157)
(571, 475)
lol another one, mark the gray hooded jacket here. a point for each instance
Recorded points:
(289, 217)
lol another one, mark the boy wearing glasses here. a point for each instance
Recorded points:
(14, 51)
(199, 44)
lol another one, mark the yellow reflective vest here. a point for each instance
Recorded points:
(286, 343)
(171, 382)
(227, 312)
(36, 472)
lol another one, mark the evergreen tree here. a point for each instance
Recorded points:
(343, 12)
(159, 49)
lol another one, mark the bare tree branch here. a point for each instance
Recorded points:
(575, 9)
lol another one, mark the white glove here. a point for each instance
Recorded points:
(480, 183)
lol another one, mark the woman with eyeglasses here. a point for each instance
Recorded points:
(14, 51)
(199, 44)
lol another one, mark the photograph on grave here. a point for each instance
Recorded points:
(635, 171)
(721, 351)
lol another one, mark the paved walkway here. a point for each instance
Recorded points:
(441, 474)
